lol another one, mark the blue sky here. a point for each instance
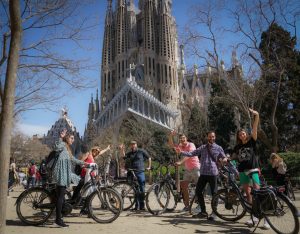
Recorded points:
(40, 121)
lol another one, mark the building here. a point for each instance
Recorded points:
(64, 122)
(140, 45)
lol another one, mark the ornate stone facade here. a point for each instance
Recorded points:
(53, 134)
(140, 46)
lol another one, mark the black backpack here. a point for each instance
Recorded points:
(51, 162)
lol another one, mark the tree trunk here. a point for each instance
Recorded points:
(8, 105)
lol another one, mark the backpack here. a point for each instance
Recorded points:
(43, 169)
(32, 170)
(51, 162)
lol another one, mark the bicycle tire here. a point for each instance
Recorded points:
(285, 208)
(127, 192)
(290, 191)
(172, 202)
(27, 206)
(157, 199)
(229, 207)
(105, 205)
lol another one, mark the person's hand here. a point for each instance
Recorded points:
(254, 112)
(63, 133)
(108, 147)
(177, 149)
(173, 133)
(177, 163)
(148, 168)
(121, 147)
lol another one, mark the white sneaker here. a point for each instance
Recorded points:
(251, 222)
(266, 225)
(197, 209)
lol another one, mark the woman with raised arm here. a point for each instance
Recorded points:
(245, 153)
(62, 172)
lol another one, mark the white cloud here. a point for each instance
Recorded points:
(31, 129)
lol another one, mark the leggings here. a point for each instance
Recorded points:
(60, 195)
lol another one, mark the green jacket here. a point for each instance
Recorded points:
(62, 172)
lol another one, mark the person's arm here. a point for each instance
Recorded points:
(196, 152)
(149, 164)
(103, 151)
(77, 161)
(59, 145)
(255, 123)
(221, 155)
(122, 150)
(170, 139)
(181, 161)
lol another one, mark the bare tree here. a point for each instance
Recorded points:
(8, 98)
(45, 72)
(249, 20)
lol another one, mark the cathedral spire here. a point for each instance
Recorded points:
(97, 106)
(182, 63)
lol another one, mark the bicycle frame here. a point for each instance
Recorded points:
(231, 183)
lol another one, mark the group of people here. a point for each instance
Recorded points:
(210, 154)
(207, 158)
(201, 167)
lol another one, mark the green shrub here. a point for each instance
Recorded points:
(292, 160)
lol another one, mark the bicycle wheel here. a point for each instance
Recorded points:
(194, 207)
(34, 206)
(127, 193)
(284, 219)
(157, 199)
(105, 205)
(226, 204)
(290, 191)
(172, 200)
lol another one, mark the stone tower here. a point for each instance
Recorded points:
(146, 39)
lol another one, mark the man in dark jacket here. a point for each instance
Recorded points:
(136, 158)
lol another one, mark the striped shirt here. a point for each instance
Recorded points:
(208, 165)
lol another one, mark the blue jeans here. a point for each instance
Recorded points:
(31, 180)
(140, 200)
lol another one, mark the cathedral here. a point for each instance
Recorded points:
(140, 44)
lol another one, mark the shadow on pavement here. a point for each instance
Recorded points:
(15, 223)
(227, 227)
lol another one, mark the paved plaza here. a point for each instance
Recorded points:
(131, 222)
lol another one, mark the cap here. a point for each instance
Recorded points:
(133, 142)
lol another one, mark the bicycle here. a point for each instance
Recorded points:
(268, 202)
(35, 205)
(129, 189)
(163, 196)
(289, 188)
